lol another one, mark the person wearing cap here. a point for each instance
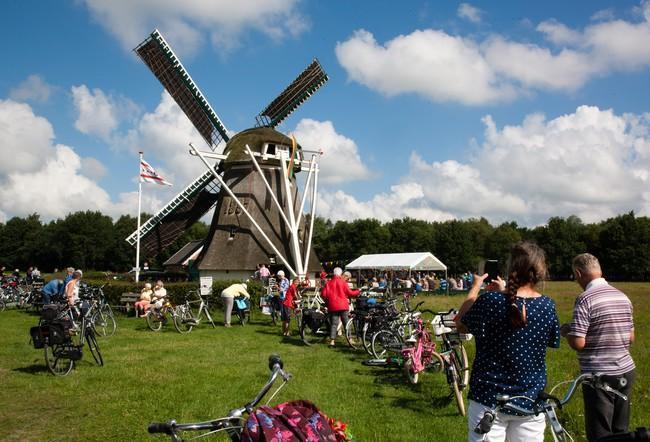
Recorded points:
(228, 296)
(335, 294)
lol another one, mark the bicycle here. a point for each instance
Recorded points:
(183, 317)
(101, 313)
(241, 308)
(545, 403)
(233, 424)
(56, 334)
(422, 354)
(453, 354)
(157, 316)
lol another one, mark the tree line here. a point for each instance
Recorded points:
(91, 240)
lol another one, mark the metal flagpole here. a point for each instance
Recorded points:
(137, 247)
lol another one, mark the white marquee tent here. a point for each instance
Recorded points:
(398, 261)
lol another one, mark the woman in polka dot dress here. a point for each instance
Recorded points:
(513, 327)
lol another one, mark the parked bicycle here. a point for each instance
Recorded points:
(157, 316)
(101, 314)
(241, 308)
(548, 404)
(62, 338)
(453, 353)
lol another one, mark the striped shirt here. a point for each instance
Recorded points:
(603, 316)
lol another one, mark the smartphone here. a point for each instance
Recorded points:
(491, 267)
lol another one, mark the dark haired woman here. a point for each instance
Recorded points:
(513, 326)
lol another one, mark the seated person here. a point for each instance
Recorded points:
(159, 295)
(142, 305)
(51, 289)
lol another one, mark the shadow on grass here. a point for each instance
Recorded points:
(31, 369)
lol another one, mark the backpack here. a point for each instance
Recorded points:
(295, 421)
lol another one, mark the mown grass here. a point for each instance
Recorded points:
(159, 376)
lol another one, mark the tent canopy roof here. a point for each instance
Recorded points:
(397, 261)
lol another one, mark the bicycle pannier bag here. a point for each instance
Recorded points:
(51, 311)
(58, 333)
(38, 335)
(313, 318)
(295, 421)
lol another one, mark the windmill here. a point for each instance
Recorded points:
(259, 215)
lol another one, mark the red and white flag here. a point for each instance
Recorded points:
(149, 175)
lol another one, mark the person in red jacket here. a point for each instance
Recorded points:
(335, 294)
(288, 305)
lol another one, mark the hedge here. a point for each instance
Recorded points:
(175, 290)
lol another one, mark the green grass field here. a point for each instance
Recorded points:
(159, 376)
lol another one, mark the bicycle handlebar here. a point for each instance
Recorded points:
(544, 402)
(170, 428)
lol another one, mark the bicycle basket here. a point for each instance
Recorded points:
(289, 421)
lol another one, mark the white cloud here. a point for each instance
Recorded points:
(46, 177)
(26, 138)
(340, 161)
(99, 114)
(163, 135)
(443, 67)
(92, 168)
(591, 163)
(469, 12)
(431, 63)
(33, 88)
(184, 23)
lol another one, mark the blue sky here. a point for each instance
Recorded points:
(435, 110)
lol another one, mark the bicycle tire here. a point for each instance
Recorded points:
(103, 323)
(93, 346)
(462, 365)
(366, 337)
(453, 379)
(184, 319)
(385, 341)
(154, 320)
(311, 337)
(57, 361)
(408, 371)
(353, 335)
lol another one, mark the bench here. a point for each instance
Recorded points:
(128, 300)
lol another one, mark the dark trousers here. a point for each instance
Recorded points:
(335, 317)
(606, 413)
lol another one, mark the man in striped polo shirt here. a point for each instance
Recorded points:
(601, 332)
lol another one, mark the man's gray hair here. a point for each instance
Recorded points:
(337, 271)
(347, 274)
(586, 263)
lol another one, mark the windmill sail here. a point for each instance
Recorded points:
(186, 208)
(308, 82)
(168, 69)
(199, 197)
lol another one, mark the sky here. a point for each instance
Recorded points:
(436, 110)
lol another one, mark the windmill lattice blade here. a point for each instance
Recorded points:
(308, 82)
(178, 215)
(165, 65)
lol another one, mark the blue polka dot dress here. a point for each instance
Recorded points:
(510, 361)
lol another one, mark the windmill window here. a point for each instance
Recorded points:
(233, 230)
(274, 150)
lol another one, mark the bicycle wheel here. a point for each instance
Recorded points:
(354, 333)
(385, 341)
(183, 319)
(408, 371)
(155, 320)
(104, 323)
(57, 359)
(366, 337)
(243, 316)
(462, 365)
(311, 336)
(453, 378)
(91, 340)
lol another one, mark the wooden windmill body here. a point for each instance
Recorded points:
(259, 214)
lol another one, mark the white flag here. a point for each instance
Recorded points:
(149, 175)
